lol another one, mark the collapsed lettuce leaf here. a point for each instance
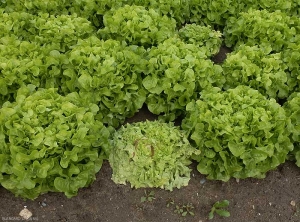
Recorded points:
(137, 26)
(47, 143)
(239, 132)
(151, 154)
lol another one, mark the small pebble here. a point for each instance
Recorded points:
(25, 213)
(44, 204)
(293, 203)
(202, 181)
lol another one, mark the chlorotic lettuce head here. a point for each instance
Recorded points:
(239, 132)
(47, 143)
(292, 107)
(151, 154)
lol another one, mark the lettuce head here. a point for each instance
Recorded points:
(48, 143)
(239, 132)
(151, 154)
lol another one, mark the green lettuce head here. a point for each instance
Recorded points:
(176, 73)
(204, 37)
(47, 143)
(292, 107)
(239, 132)
(272, 31)
(151, 154)
(108, 74)
(265, 72)
(137, 26)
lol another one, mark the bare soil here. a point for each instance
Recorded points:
(273, 199)
(251, 200)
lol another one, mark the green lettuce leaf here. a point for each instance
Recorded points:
(137, 26)
(108, 74)
(272, 31)
(292, 108)
(205, 37)
(266, 72)
(176, 73)
(239, 132)
(49, 143)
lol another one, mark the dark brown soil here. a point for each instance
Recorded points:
(275, 198)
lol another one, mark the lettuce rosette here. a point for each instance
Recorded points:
(292, 107)
(239, 132)
(49, 143)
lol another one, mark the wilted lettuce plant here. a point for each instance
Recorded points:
(239, 132)
(47, 143)
(151, 154)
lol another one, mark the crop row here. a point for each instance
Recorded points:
(72, 72)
